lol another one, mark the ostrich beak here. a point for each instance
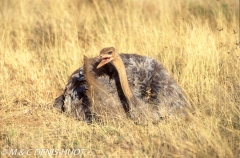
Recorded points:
(104, 60)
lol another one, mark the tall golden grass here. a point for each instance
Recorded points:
(43, 41)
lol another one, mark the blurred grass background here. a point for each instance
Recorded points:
(43, 41)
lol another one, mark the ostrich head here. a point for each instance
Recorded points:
(107, 55)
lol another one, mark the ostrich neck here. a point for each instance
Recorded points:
(120, 67)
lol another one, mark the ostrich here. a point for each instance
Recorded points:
(144, 82)
(141, 83)
(77, 99)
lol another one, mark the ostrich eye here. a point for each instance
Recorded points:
(109, 53)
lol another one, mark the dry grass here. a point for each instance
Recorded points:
(43, 41)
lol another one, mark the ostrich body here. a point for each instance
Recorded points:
(141, 82)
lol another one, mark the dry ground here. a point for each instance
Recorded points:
(43, 41)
